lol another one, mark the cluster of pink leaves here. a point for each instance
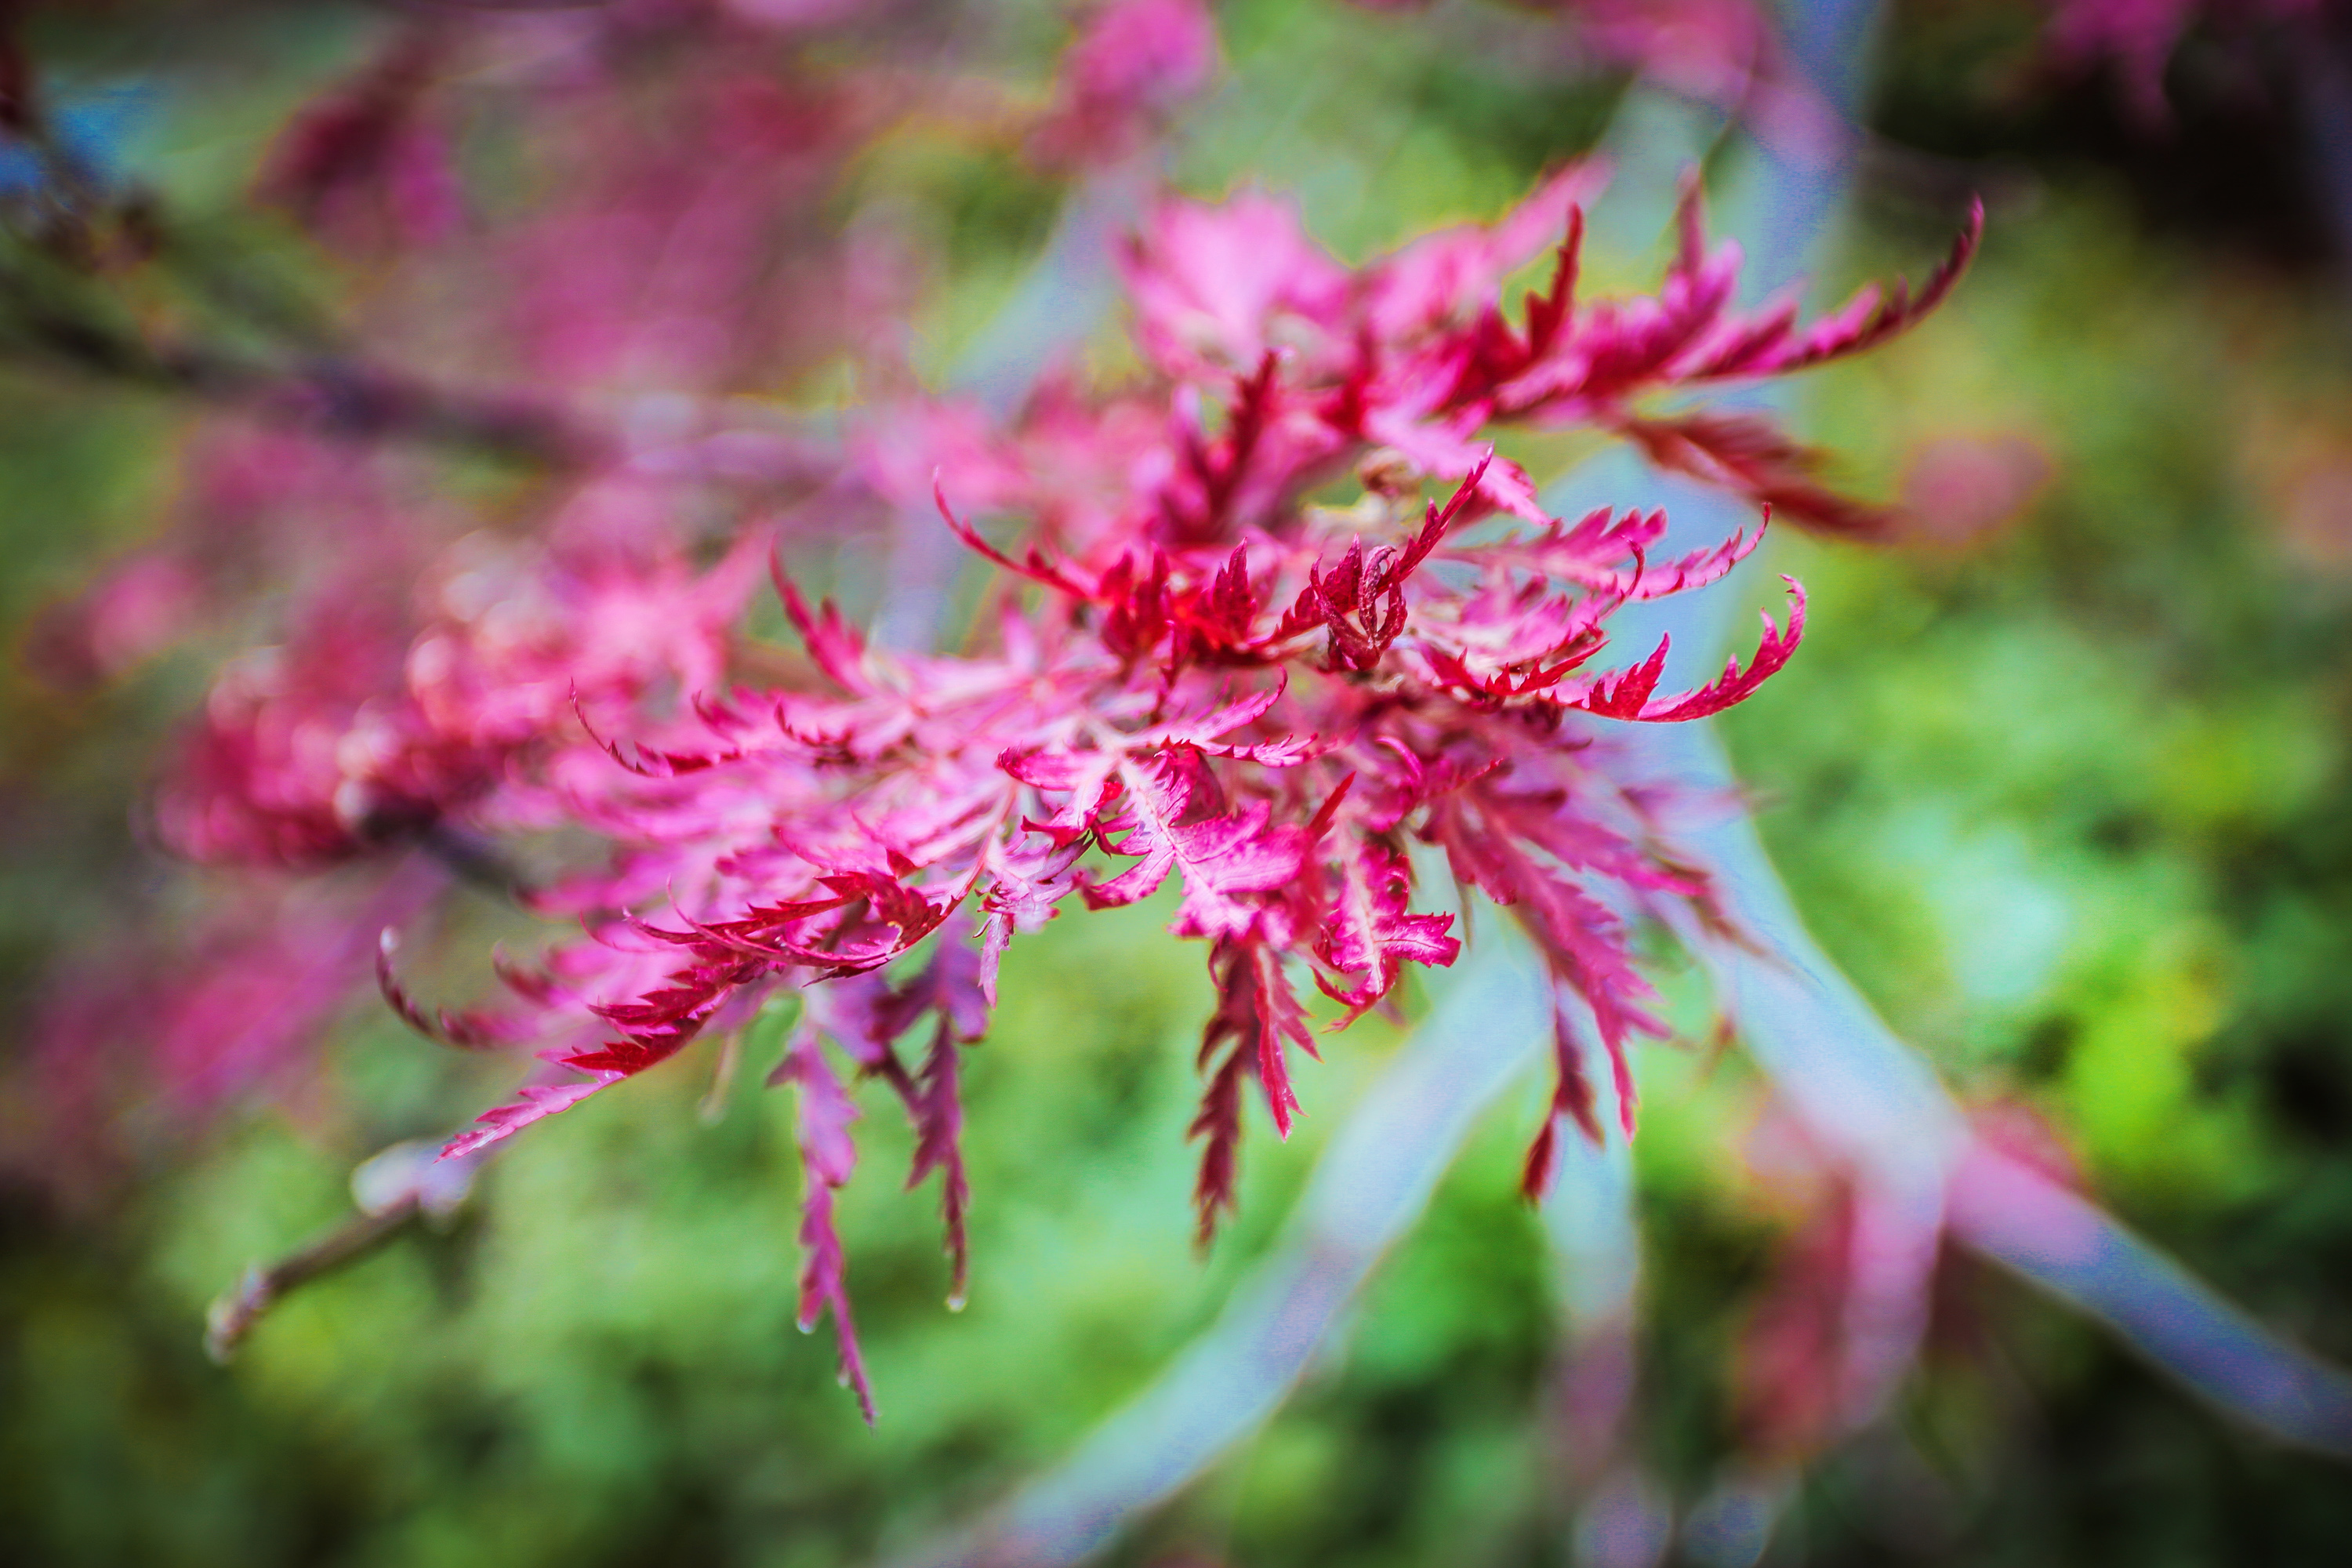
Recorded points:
(354, 734)
(1413, 355)
(673, 247)
(1191, 677)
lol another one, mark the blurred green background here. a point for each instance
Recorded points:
(2063, 787)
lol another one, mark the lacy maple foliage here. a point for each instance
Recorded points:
(1190, 676)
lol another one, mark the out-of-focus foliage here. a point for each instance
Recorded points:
(2065, 787)
(2086, 831)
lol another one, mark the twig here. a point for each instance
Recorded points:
(397, 1186)
(233, 1316)
(335, 396)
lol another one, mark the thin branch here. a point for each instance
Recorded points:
(397, 1186)
(337, 397)
(234, 1315)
